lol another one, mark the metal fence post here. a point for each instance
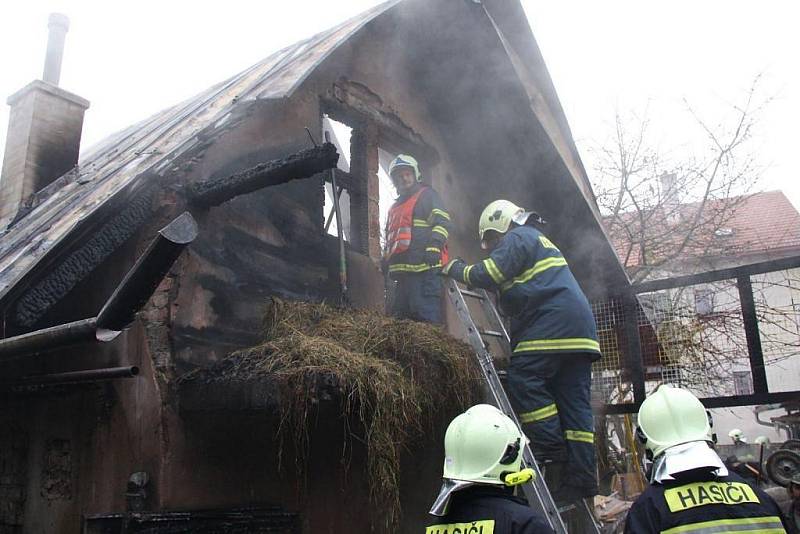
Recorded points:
(754, 350)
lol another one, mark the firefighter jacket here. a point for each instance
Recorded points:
(549, 312)
(713, 505)
(489, 510)
(417, 223)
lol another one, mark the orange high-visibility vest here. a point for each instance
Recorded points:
(399, 224)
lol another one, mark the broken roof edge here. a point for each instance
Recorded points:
(366, 17)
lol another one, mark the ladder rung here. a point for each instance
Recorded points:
(493, 333)
(470, 293)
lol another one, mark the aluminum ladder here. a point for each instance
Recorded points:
(536, 491)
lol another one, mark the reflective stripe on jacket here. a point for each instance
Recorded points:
(416, 222)
(485, 509)
(715, 505)
(549, 312)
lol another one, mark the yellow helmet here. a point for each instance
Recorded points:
(498, 216)
(404, 160)
(672, 416)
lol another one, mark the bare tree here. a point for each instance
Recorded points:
(663, 206)
(669, 212)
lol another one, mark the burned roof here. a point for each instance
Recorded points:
(151, 146)
(132, 160)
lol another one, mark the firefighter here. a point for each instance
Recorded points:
(553, 340)
(417, 229)
(482, 464)
(737, 437)
(794, 507)
(691, 490)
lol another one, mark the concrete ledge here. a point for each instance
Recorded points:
(54, 90)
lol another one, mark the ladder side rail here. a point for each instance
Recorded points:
(536, 490)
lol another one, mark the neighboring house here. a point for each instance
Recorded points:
(467, 92)
(700, 332)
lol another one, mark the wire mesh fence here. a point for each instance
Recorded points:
(695, 336)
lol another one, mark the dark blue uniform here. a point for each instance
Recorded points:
(554, 341)
(488, 510)
(418, 288)
(724, 504)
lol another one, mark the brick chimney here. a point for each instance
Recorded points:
(44, 130)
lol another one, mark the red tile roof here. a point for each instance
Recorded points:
(761, 222)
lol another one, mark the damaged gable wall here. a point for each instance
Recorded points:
(424, 77)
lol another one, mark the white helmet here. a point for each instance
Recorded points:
(481, 446)
(672, 416)
(736, 435)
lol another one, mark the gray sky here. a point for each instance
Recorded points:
(132, 59)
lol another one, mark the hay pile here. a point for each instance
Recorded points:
(397, 378)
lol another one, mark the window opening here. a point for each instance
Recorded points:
(386, 191)
(742, 383)
(340, 135)
(704, 301)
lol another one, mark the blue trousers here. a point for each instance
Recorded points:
(418, 296)
(552, 396)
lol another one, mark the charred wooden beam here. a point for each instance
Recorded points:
(118, 312)
(302, 164)
(73, 377)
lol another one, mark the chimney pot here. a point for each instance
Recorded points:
(58, 24)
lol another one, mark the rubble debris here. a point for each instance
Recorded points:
(398, 378)
(611, 511)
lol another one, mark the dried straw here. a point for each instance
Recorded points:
(396, 378)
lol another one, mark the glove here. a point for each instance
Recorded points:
(433, 256)
(456, 263)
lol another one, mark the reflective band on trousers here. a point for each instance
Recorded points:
(538, 267)
(579, 435)
(573, 343)
(762, 525)
(411, 268)
(537, 415)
